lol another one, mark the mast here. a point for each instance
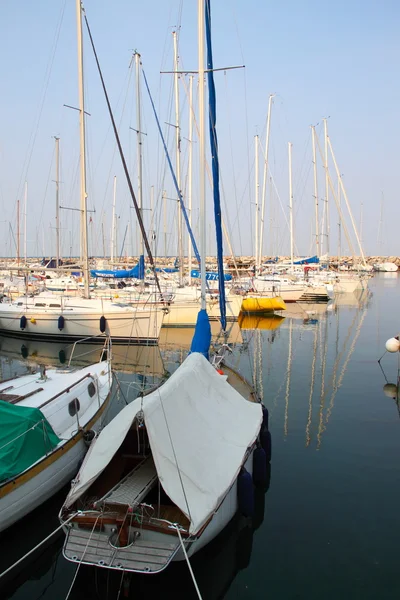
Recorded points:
(291, 205)
(190, 173)
(257, 261)
(202, 182)
(264, 190)
(25, 208)
(18, 234)
(178, 155)
(314, 151)
(139, 145)
(326, 185)
(57, 140)
(339, 225)
(113, 223)
(164, 195)
(83, 195)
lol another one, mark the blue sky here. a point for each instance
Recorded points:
(337, 60)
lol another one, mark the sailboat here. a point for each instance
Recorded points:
(50, 317)
(173, 467)
(48, 418)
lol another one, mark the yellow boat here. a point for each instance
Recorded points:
(271, 322)
(262, 304)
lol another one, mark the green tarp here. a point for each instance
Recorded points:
(25, 436)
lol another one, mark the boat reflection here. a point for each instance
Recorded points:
(269, 322)
(126, 358)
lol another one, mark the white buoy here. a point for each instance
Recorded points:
(391, 390)
(393, 344)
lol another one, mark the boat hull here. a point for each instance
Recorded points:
(34, 486)
(262, 304)
(137, 327)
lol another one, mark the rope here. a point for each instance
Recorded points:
(83, 554)
(36, 547)
(188, 563)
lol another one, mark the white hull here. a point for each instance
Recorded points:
(123, 323)
(184, 313)
(386, 267)
(48, 482)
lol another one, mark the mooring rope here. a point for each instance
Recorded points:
(188, 562)
(36, 547)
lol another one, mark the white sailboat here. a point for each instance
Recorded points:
(47, 419)
(169, 472)
(49, 317)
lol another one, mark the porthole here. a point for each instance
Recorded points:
(91, 388)
(74, 407)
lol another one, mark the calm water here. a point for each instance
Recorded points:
(328, 526)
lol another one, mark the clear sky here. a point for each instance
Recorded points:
(336, 60)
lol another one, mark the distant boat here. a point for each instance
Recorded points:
(45, 420)
(387, 267)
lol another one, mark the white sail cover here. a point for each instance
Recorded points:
(199, 429)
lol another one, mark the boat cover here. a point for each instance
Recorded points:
(199, 429)
(25, 436)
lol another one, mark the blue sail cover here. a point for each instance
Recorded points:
(136, 273)
(215, 165)
(202, 334)
(312, 260)
(210, 275)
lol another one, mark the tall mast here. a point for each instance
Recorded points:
(25, 207)
(339, 225)
(178, 154)
(164, 195)
(264, 190)
(326, 185)
(291, 204)
(257, 253)
(83, 195)
(139, 145)
(190, 172)
(57, 201)
(314, 151)
(18, 234)
(202, 182)
(113, 223)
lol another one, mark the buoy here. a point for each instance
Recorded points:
(61, 322)
(391, 390)
(32, 320)
(22, 322)
(245, 492)
(393, 344)
(220, 371)
(259, 468)
(102, 324)
(265, 420)
(265, 441)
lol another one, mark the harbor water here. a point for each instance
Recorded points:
(328, 525)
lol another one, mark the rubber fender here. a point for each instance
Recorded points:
(245, 491)
(22, 322)
(266, 444)
(265, 412)
(102, 324)
(259, 468)
(61, 322)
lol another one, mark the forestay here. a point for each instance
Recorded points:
(199, 429)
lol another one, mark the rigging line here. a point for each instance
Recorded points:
(32, 140)
(83, 554)
(47, 185)
(37, 546)
(138, 212)
(188, 562)
(176, 460)
(184, 212)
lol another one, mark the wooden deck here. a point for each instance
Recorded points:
(141, 556)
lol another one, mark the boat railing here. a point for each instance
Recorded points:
(106, 352)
